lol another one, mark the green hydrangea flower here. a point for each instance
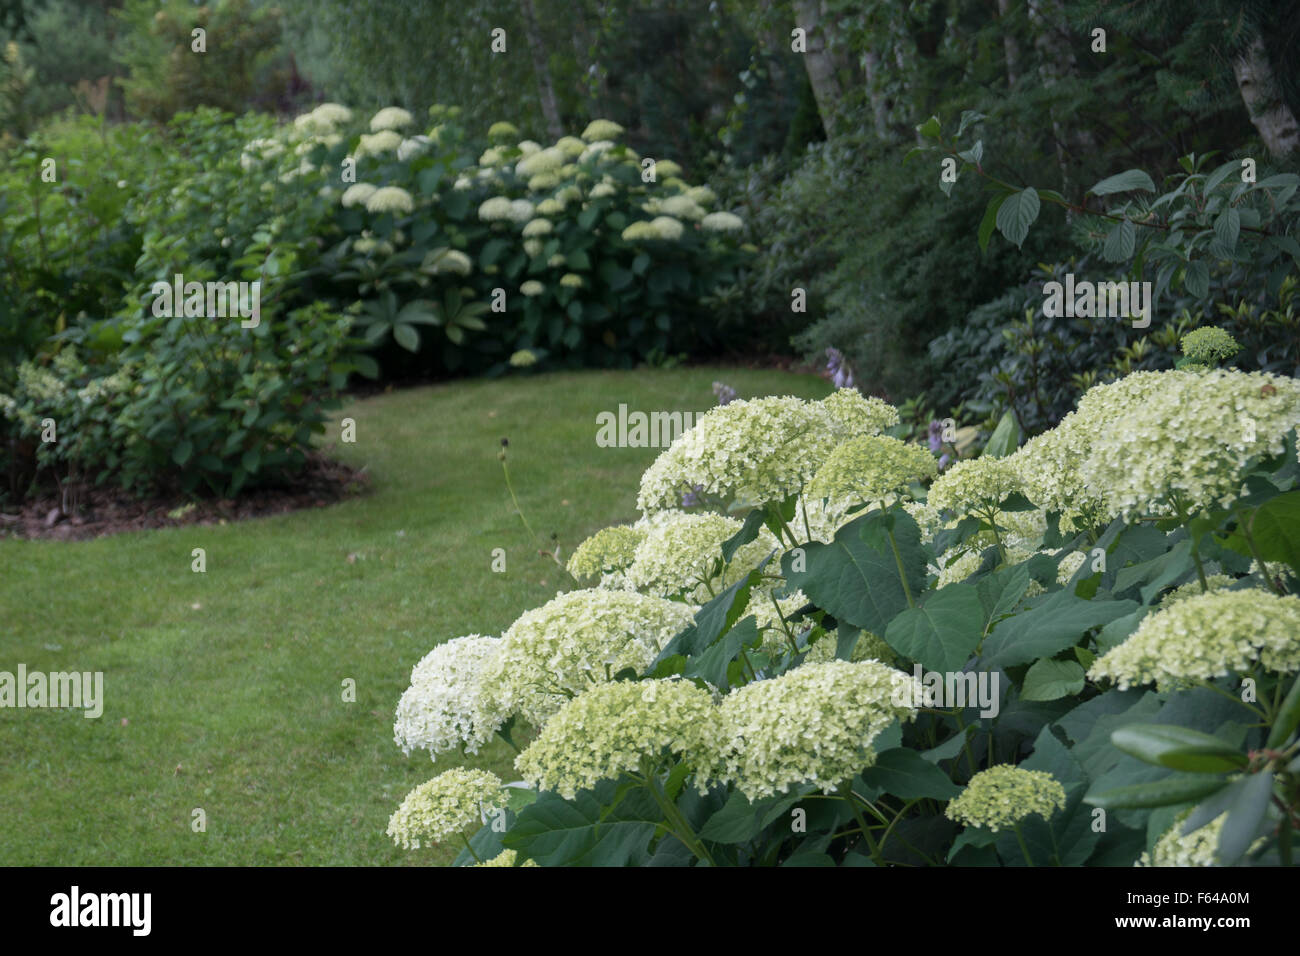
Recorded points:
(608, 551)
(1204, 636)
(814, 724)
(448, 804)
(975, 486)
(1209, 345)
(602, 129)
(854, 415)
(868, 469)
(680, 555)
(577, 639)
(754, 450)
(1003, 795)
(618, 728)
(503, 132)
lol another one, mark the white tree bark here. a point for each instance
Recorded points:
(818, 62)
(1272, 117)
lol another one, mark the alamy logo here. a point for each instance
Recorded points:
(639, 430)
(950, 689)
(57, 689)
(102, 909)
(209, 300)
(1100, 300)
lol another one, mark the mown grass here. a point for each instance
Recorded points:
(223, 690)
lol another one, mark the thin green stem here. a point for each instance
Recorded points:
(846, 792)
(1023, 849)
(898, 560)
(464, 839)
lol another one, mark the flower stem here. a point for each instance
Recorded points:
(902, 575)
(464, 839)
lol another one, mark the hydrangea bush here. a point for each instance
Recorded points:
(465, 254)
(810, 649)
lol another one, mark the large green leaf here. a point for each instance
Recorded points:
(1017, 214)
(1180, 788)
(1055, 622)
(1051, 680)
(583, 831)
(906, 774)
(711, 665)
(1275, 526)
(1179, 748)
(943, 633)
(1245, 818)
(856, 577)
(1127, 181)
(1005, 438)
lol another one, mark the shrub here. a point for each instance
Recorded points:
(1065, 631)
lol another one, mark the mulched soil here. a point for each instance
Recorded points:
(105, 510)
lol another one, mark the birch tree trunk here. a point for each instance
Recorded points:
(1010, 47)
(1268, 112)
(818, 62)
(871, 67)
(545, 88)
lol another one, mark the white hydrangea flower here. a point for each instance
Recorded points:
(445, 806)
(357, 194)
(755, 450)
(616, 728)
(577, 639)
(814, 724)
(1189, 441)
(1203, 636)
(444, 708)
(601, 129)
(390, 118)
(680, 555)
(390, 199)
(722, 222)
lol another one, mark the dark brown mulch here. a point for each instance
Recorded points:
(107, 510)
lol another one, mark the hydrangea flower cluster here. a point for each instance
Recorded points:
(1209, 345)
(616, 728)
(391, 117)
(445, 708)
(447, 805)
(1003, 795)
(1198, 848)
(1190, 440)
(507, 858)
(814, 724)
(606, 553)
(975, 486)
(854, 415)
(1205, 636)
(869, 468)
(390, 199)
(752, 450)
(575, 640)
(680, 555)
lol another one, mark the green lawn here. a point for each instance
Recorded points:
(223, 690)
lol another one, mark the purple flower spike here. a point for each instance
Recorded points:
(725, 393)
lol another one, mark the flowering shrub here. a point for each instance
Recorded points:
(579, 252)
(1012, 665)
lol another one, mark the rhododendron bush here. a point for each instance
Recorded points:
(813, 648)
